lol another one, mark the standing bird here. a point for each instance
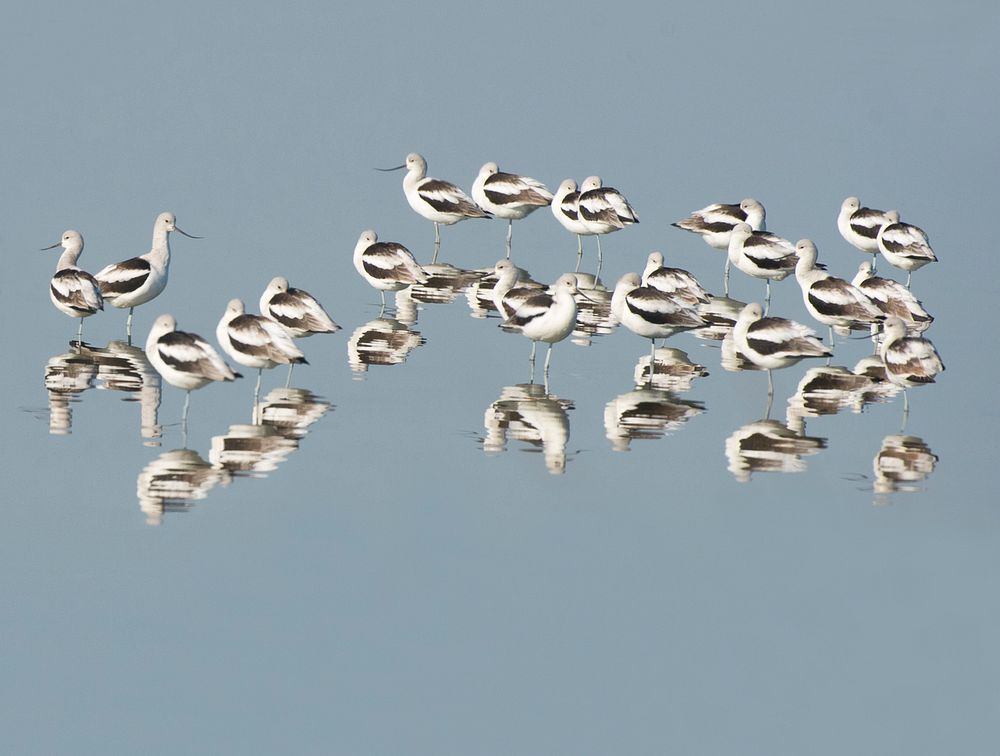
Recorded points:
(892, 298)
(295, 309)
(548, 317)
(133, 282)
(511, 289)
(566, 209)
(436, 200)
(387, 266)
(603, 209)
(905, 246)
(773, 343)
(255, 341)
(715, 223)
(909, 360)
(185, 360)
(649, 312)
(834, 302)
(74, 291)
(676, 282)
(860, 225)
(507, 195)
(762, 255)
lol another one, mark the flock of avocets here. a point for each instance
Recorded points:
(655, 305)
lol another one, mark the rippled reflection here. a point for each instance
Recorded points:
(290, 411)
(673, 370)
(646, 413)
(251, 449)
(525, 412)
(826, 391)
(445, 283)
(902, 462)
(66, 377)
(768, 446)
(383, 341)
(116, 367)
(879, 388)
(174, 481)
(720, 315)
(731, 358)
(257, 449)
(593, 310)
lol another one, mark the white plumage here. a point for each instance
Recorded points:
(773, 343)
(296, 310)
(185, 360)
(387, 266)
(548, 317)
(905, 246)
(137, 280)
(834, 302)
(436, 200)
(909, 360)
(892, 298)
(648, 312)
(676, 282)
(860, 225)
(761, 254)
(715, 223)
(508, 195)
(72, 290)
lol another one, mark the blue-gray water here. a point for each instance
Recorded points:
(392, 585)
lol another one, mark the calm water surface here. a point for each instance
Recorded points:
(418, 549)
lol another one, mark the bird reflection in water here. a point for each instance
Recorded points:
(526, 412)
(115, 367)
(720, 315)
(901, 463)
(291, 411)
(383, 341)
(174, 481)
(66, 377)
(768, 446)
(646, 413)
(444, 283)
(825, 391)
(672, 370)
(257, 449)
(593, 310)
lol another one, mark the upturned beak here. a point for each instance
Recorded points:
(57, 244)
(178, 230)
(397, 168)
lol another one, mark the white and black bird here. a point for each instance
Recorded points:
(773, 343)
(860, 225)
(436, 200)
(512, 288)
(387, 266)
(508, 195)
(548, 316)
(715, 223)
(677, 282)
(762, 255)
(602, 210)
(892, 298)
(185, 360)
(834, 302)
(909, 360)
(566, 209)
(649, 312)
(905, 246)
(296, 310)
(255, 341)
(72, 290)
(137, 280)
